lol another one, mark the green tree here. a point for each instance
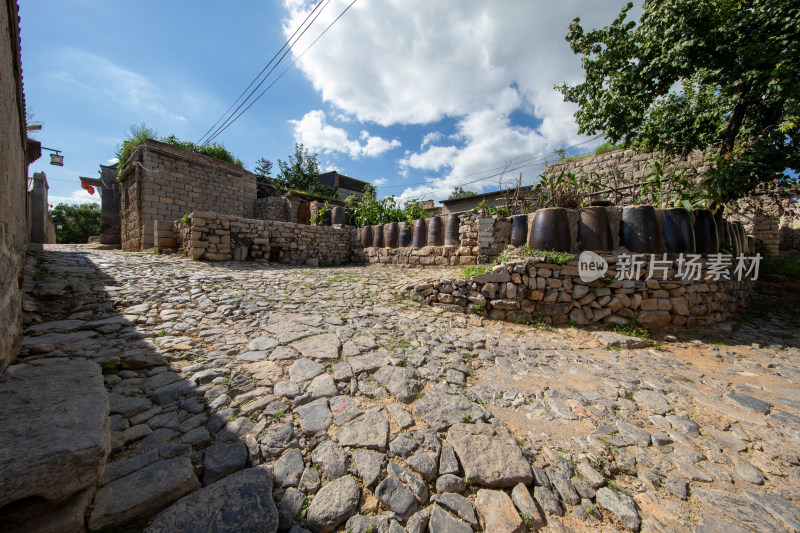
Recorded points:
(76, 223)
(722, 75)
(264, 182)
(459, 192)
(301, 173)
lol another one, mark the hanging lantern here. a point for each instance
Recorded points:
(57, 160)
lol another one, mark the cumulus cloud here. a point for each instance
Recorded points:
(315, 133)
(401, 62)
(80, 196)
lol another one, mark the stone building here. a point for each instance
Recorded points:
(345, 185)
(467, 203)
(163, 182)
(16, 153)
(109, 190)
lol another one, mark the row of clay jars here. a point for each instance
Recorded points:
(640, 230)
(422, 233)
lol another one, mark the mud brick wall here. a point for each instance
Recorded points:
(521, 291)
(215, 237)
(13, 184)
(163, 182)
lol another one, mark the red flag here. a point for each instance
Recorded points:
(88, 187)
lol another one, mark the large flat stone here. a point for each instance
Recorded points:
(325, 346)
(143, 492)
(239, 502)
(333, 504)
(490, 455)
(441, 407)
(497, 512)
(370, 430)
(55, 433)
(402, 382)
(740, 509)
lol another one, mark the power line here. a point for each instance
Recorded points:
(534, 159)
(222, 129)
(289, 40)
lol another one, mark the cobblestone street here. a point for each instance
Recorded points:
(371, 409)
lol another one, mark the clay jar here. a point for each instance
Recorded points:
(639, 230)
(435, 231)
(451, 231)
(519, 230)
(377, 236)
(419, 235)
(366, 236)
(594, 231)
(705, 232)
(550, 230)
(338, 215)
(744, 248)
(390, 234)
(404, 239)
(678, 231)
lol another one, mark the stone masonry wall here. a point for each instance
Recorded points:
(521, 291)
(216, 237)
(272, 208)
(163, 182)
(13, 185)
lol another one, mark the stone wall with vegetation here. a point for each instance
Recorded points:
(164, 182)
(272, 208)
(536, 289)
(217, 237)
(13, 184)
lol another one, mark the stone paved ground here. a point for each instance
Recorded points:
(376, 414)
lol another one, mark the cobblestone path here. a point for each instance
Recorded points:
(324, 399)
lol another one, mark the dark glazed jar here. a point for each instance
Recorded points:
(338, 216)
(594, 231)
(404, 239)
(678, 231)
(705, 232)
(390, 234)
(519, 230)
(451, 237)
(366, 236)
(550, 230)
(419, 237)
(742, 233)
(377, 236)
(639, 231)
(435, 232)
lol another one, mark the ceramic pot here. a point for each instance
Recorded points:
(390, 235)
(377, 236)
(338, 215)
(366, 236)
(435, 232)
(420, 233)
(678, 231)
(594, 231)
(404, 239)
(639, 230)
(519, 230)
(451, 237)
(705, 232)
(550, 230)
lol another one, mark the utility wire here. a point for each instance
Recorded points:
(222, 129)
(289, 40)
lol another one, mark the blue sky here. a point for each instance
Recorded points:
(414, 96)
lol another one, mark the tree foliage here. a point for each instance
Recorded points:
(76, 223)
(718, 75)
(137, 134)
(301, 173)
(264, 183)
(368, 210)
(459, 192)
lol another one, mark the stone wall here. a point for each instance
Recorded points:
(163, 182)
(110, 196)
(522, 291)
(214, 237)
(272, 208)
(13, 185)
(41, 227)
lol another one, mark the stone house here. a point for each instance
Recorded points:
(164, 182)
(468, 203)
(346, 185)
(109, 189)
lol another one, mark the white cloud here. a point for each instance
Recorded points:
(379, 181)
(315, 133)
(417, 62)
(113, 161)
(80, 196)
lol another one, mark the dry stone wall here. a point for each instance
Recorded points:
(215, 237)
(13, 185)
(272, 208)
(163, 182)
(522, 291)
